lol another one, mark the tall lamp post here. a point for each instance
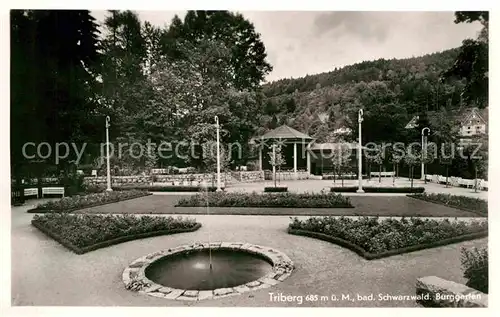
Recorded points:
(424, 153)
(360, 176)
(108, 171)
(218, 154)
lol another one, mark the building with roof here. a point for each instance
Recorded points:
(473, 122)
(301, 151)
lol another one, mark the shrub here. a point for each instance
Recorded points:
(68, 204)
(402, 190)
(283, 200)
(377, 236)
(461, 202)
(275, 189)
(73, 184)
(83, 231)
(475, 264)
(93, 189)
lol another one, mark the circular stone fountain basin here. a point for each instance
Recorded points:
(193, 270)
(184, 273)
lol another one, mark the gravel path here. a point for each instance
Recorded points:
(45, 273)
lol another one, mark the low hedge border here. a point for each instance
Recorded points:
(111, 242)
(370, 189)
(373, 256)
(275, 189)
(36, 210)
(477, 212)
(168, 188)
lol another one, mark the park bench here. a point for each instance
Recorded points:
(441, 179)
(484, 184)
(428, 178)
(435, 179)
(455, 181)
(52, 191)
(31, 192)
(467, 183)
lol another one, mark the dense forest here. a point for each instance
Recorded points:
(168, 83)
(400, 88)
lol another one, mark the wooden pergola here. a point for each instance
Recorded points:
(286, 135)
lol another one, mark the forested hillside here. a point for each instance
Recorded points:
(396, 89)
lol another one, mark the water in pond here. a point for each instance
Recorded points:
(192, 271)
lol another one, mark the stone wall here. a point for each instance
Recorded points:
(285, 176)
(248, 176)
(437, 292)
(226, 178)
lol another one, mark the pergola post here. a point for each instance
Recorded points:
(260, 158)
(295, 159)
(274, 165)
(308, 157)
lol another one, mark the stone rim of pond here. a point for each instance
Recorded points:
(135, 279)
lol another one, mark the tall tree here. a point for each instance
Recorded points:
(472, 61)
(54, 57)
(123, 78)
(248, 54)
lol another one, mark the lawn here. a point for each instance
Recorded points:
(363, 206)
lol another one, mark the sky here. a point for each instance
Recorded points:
(300, 43)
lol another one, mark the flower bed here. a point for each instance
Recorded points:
(84, 233)
(476, 205)
(279, 200)
(275, 189)
(373, 238)
(68, 204)
(370, 189)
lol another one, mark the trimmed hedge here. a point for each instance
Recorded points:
(279, 200)
(150, 188)
(275, 189)
(85, 233)
(371, 189)
(475, 205)
(374, 239)
(330, 177)
(69, 204)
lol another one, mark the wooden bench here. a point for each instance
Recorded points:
(31, 192)
(52, 191)
(484, 184)
(455, 181)
(467, 183)
(441, 179)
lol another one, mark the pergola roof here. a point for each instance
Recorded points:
(284, 132)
